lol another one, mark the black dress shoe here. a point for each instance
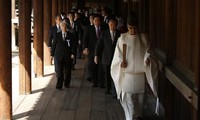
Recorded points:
(138, 118)
(59, 88)
(66, 86)
(114, 97)
(89, 79)
(79, 57)
(107, 92)
(73, 68)
(102, 86)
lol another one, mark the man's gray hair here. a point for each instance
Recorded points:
(63, 23)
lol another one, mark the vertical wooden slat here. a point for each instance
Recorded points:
(47, 26)
(25, 46)
(170, 29)
(152, 23)
(67, 2)
(60, 6)
(197, 46)
(185, 49)
(197, 60)
(38, 38)
(81, 3)
(142, 16)
(64, 5)
(5, 61)
(68, 6)
(125, 11)
(160, 25)
(13, 26)
(54, 10)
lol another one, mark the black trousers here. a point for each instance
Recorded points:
(79, 51)
(92, 70)
(101, 74)
(109, 81)
(63, 71)
(75, 57)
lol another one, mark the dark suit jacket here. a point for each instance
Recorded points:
(105, 46)
(76, 30)
(60, 47)
(90, 39)
(52, 35)
(105, 23)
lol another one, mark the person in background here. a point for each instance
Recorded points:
(75, 29)
(105, 47)
(78, 19)
(121, 25)
(63, 51)
(64, 17)
(106, 16)
(52, 34)
(91, 37)
(54, 30)
(91, 18)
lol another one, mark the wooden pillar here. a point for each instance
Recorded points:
(25, 46)
(152, 23)
(81, 3)
(64, 5)
(38, 38)
(197, 62)
(170, 29)
(14, 47)
(69, 5)
(129, 7)
(54, 10)
(5, 61)
(47, 26)
(60, 6)
(134, 6)
(124, 12)
(117, 7)
(142, 16)
(197, 51)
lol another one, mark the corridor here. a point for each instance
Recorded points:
(79, 102)
(28, 79)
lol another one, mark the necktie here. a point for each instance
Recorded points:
(64, 37)
(72, 25)
(105, 19)
(58, 29)
(97, 32)
(113, 36)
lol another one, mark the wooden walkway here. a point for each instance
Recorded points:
(79, 102)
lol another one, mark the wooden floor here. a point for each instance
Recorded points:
(79, 102)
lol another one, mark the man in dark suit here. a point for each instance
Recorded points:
(90, 38)
(63, 51)
(75, 28)
(106, 16)
(52, 34)
(106, 46)
(64, 17)
(80, 20)
(54, 30)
